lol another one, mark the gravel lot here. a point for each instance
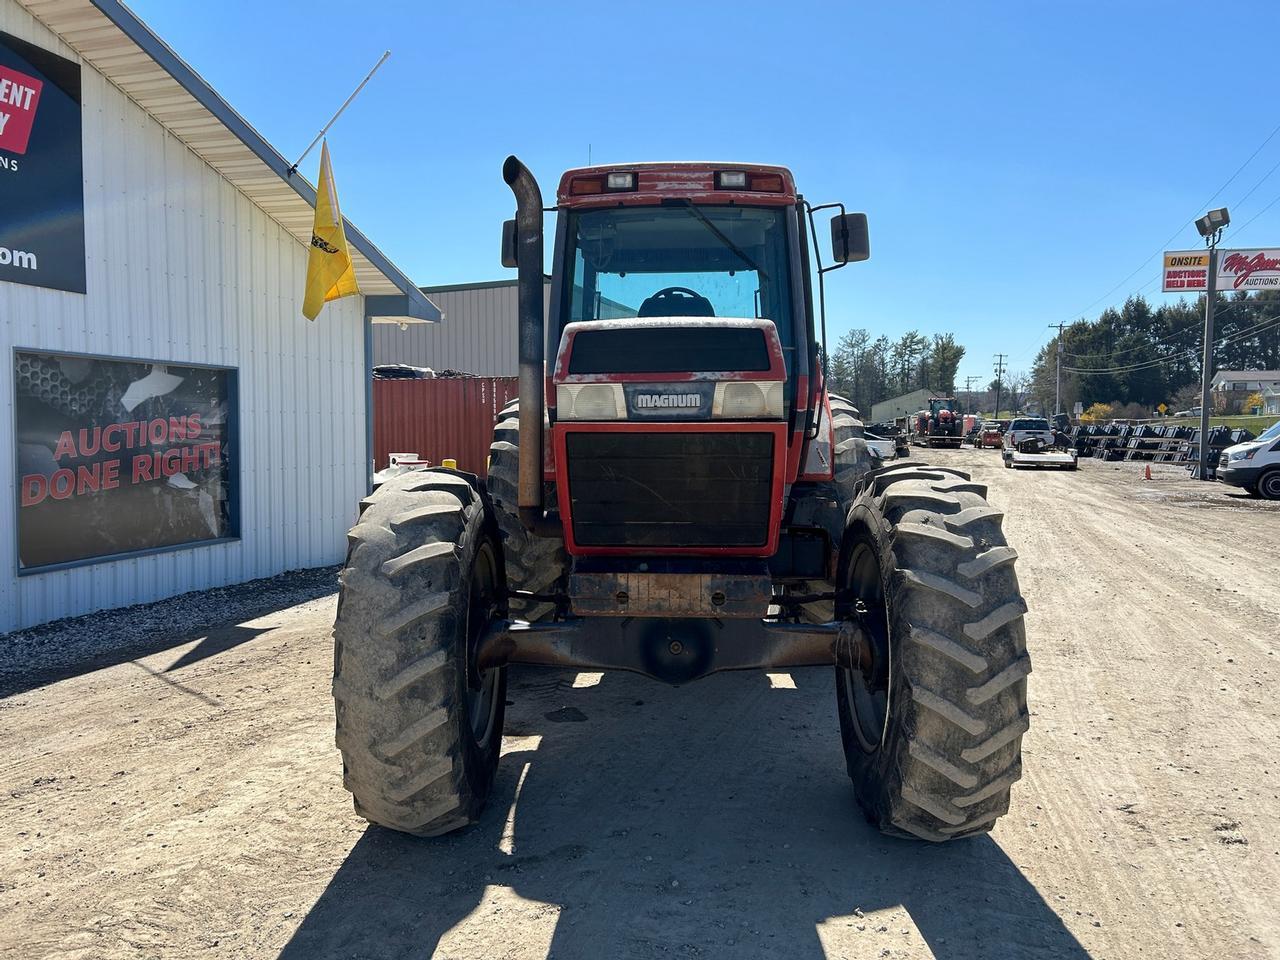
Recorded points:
(173, 793)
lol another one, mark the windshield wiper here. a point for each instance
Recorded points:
(694, 211)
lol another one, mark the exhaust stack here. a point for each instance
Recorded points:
(531, 350)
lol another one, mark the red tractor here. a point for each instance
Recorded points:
(676, 493)
(940, 425)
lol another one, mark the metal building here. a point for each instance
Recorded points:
(902, 406)
(479, 337)
(171, 422)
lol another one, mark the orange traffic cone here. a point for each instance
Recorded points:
(1146, 474)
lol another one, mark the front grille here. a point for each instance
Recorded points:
(670, 489)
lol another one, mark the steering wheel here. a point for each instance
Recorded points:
(677, 301)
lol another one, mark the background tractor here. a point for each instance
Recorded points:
(676, 493)
(940, 425)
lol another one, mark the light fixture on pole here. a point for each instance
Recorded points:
(1212, 223)
(1210, 227)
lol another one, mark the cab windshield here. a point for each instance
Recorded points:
(680, 260)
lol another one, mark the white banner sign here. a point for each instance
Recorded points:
(1248, 270)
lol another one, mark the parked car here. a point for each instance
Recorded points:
(1255, 465)
(883, 447)
(1024, 428)
(989, 435)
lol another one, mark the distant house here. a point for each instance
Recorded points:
(1244, 382)
(1232, 388)
(1271, 400)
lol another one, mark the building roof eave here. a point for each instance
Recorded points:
(116, 43)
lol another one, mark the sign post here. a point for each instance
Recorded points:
(1190, 270)
(1206, 370)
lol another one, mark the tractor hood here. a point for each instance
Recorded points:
(670, 348)
(672, 368)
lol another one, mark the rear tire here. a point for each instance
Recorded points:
(849, 449)
(1269, 485)
(534, 564)
(419, 732)
(932, 736)
(852, 460)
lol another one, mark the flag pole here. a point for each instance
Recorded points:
(325, 129)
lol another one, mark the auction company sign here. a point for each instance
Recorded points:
(41, 168)
(1248, 270)
(1187, 271)
(119, 456)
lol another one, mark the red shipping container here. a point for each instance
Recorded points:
(438, 419)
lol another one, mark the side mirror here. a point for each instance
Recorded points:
(849, 240)
(509, 244)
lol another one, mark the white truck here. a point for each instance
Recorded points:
(1255, 465)
(1029, 443)
(1025, 428)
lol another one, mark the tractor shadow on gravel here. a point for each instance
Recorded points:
(706, 821)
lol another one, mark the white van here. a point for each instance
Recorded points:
(1254, 465)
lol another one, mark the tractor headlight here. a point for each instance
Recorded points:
(747, 400)
(590, 401)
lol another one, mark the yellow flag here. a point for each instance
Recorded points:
(329, 272)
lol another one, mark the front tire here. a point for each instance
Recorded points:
(419, 729)
(932, 733)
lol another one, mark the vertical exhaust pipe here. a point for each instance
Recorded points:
(532, 339)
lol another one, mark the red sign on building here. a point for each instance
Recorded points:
(19, 99)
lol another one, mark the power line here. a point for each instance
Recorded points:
(1173, 336)
(1265, 324)
(1191, 352)
(1184, 226)
(1265, 177)
(1256, 216)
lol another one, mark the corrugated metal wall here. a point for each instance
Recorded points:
(439, 418)
(182, 267)
(478, 335)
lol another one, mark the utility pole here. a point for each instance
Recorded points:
(999, 368)
(1057, 386)
(968, 391)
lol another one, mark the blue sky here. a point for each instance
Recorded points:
(1017, 160)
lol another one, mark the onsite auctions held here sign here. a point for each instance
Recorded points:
(41, 168)
(1187, 271)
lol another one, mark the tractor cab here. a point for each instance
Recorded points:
(683, 394)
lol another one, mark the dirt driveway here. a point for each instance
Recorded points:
(188, 803)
